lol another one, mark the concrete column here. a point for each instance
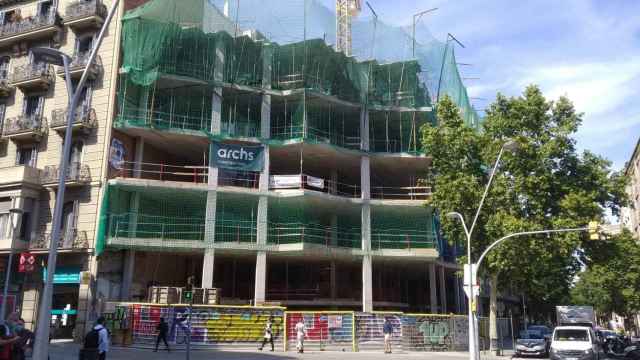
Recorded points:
(433, 295)
(443, 291)
(367, 284)
(127, 274)
(456, 288)
(333, 281)
(333, 186)
(138, 158)
(212, 175)
(334, 230)
(207, 268)
(261, 278)
(365, 181)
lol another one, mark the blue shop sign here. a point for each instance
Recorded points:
(64, 275)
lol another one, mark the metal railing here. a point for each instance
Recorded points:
(32, 71)
(80, 60)
(76, 172)
(308, 182)
(80, 9)
(28, 24)
(70, 239)
(163, 172)
(24, 124)
(402, 239)
(160, 120)
(83, 116)
(401, 192)
(292, 233)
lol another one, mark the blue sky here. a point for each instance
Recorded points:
(587, 50)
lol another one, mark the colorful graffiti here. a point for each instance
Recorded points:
(324, 329)
(333, 330)
(209, 325)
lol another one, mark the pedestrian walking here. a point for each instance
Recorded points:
(7, 339)
(96, 343)
(268, 333)
(301, 332)
(163, 330)
(387, 330)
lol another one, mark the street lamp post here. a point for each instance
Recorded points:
(56, 57)
(474, 353)
(15, 214)
(417, 17)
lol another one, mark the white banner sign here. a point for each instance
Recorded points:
(315, 182)
(284, 181)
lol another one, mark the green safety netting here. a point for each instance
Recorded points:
(402, 227)
(305, 221)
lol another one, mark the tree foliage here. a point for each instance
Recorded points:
(544, 184)
(611, 281)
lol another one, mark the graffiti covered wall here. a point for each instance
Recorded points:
(325, 330)
(210, 325)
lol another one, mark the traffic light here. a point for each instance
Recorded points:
(188, 290)
(594, 230)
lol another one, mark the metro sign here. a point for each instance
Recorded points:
(27, 263)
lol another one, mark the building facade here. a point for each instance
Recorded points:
(33, 108)
(631, 214)
(330, 214)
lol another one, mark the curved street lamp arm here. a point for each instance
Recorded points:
(521, 234)
(486, 190)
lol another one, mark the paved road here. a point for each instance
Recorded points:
(69, 351)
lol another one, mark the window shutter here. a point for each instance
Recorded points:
(40, 106)
(2, 16)
(34, 156)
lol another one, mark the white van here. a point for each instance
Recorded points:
(575, 343)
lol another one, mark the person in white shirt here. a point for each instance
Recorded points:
(301, 332)
(103, 345)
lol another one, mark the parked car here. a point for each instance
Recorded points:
(532, 343)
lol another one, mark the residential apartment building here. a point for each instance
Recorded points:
(33, 108)
(631, 214)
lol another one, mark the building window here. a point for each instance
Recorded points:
(26, 155)
(5, 224)
(84, 45)
(8, 17)
(4, 67)
(32, 106)
(45, 7)
(2, 112)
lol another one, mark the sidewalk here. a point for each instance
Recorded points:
(69, 351)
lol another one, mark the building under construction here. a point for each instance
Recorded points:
(280, 171)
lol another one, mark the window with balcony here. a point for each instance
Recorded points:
(8, 17)
(84, 44)
(26, 155)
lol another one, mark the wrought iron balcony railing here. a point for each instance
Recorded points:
(5, 87)
(24, 124)
(71, 239)
(76, 173)
(78, 63)
(85, 117)
(32, 71)
(82, 9)
(28, 24)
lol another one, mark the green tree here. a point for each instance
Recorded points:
(545, 184)
(611, 281)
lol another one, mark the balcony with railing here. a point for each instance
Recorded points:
(34, 27)
(72, 239)
(33, 76)
(78, 63)
(77, 174)
(19, 175)
(25, 127)
(5, 87)
(85, 14)
(84, 120)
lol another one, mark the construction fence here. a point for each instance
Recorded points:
(218, 326)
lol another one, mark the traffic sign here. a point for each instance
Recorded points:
(474, 280)
(27, 263)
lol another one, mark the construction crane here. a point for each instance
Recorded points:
(345, 10)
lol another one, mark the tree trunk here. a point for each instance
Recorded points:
(493, 314)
